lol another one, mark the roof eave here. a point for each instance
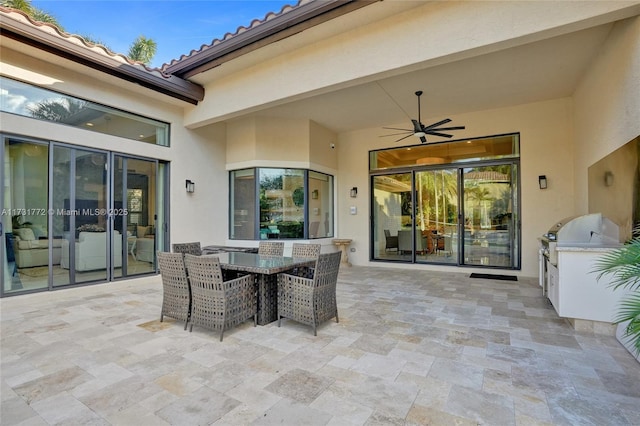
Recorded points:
(170, 85)
(271, 31)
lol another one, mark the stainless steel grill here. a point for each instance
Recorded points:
(591, 230)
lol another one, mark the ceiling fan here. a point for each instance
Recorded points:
(421, 131)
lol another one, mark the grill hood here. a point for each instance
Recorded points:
(591, 230)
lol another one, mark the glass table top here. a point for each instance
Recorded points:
(260, 264)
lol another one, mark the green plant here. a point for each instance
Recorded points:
(298, 196)
(623, 267)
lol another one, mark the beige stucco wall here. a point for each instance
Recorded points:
(614, 188)
(357, 52)
(559, 138)
(259, 141)
(196, 155)
(545, 149)
(607, 104)
(255, 139)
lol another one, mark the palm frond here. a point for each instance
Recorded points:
(42, 16)
(622, 265)
(143, 50)
(629, 310)
(22, 5)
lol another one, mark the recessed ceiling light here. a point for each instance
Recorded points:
(141, 136)
(90, 124)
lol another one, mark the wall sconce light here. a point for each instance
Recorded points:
(191, 186)
(353, 192)
(542, 181)
(608, 178)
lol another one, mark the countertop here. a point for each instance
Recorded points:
(589, 248)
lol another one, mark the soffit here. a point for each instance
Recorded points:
(292, 20)
(533, 72)
(60, 63)
(257, 54)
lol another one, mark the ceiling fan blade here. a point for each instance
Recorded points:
(396, 134)
(439, 123)
(444, 135)
(408, 136)
(449, 128)
(395, 128)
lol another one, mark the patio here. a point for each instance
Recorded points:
(412, 347)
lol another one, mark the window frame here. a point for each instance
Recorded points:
(252, 213)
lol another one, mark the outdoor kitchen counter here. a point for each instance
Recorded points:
(574, 289)
(602, 249)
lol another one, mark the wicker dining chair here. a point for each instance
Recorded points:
(188, 248)
(271, 248)
(217, 304)
(176, 295)
(311, 251)
(310, 301)
(306, 250)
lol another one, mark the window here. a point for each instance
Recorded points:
(462, 151)
(32, 101)
(451, 203)
(273, 203)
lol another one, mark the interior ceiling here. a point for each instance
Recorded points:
(533, 72)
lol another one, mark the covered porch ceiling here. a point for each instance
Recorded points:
(533, 72)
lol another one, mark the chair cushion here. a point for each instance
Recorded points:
(39, 231)
(141, 231)
(25, 234)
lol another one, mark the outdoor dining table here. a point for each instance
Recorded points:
(266, 270)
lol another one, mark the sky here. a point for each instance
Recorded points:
(176, 26)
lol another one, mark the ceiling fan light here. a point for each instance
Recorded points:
(420, 134)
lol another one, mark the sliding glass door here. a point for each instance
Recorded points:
(392, 217)
(134, 214)
(437, 215)
(75, 215)
(24, 205)
(489, 223)
(80, 214)
(447, 215)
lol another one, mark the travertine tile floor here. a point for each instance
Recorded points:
(412, 347)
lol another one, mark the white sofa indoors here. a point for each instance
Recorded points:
(30, 251)
(91, 251)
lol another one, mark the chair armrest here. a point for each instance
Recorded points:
(296, 290)
(241, 290)
(240, 281)
(289, 278)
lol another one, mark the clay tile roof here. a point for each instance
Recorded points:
(73, 38)
(273, 27)
(241, 29)
(16, 24)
